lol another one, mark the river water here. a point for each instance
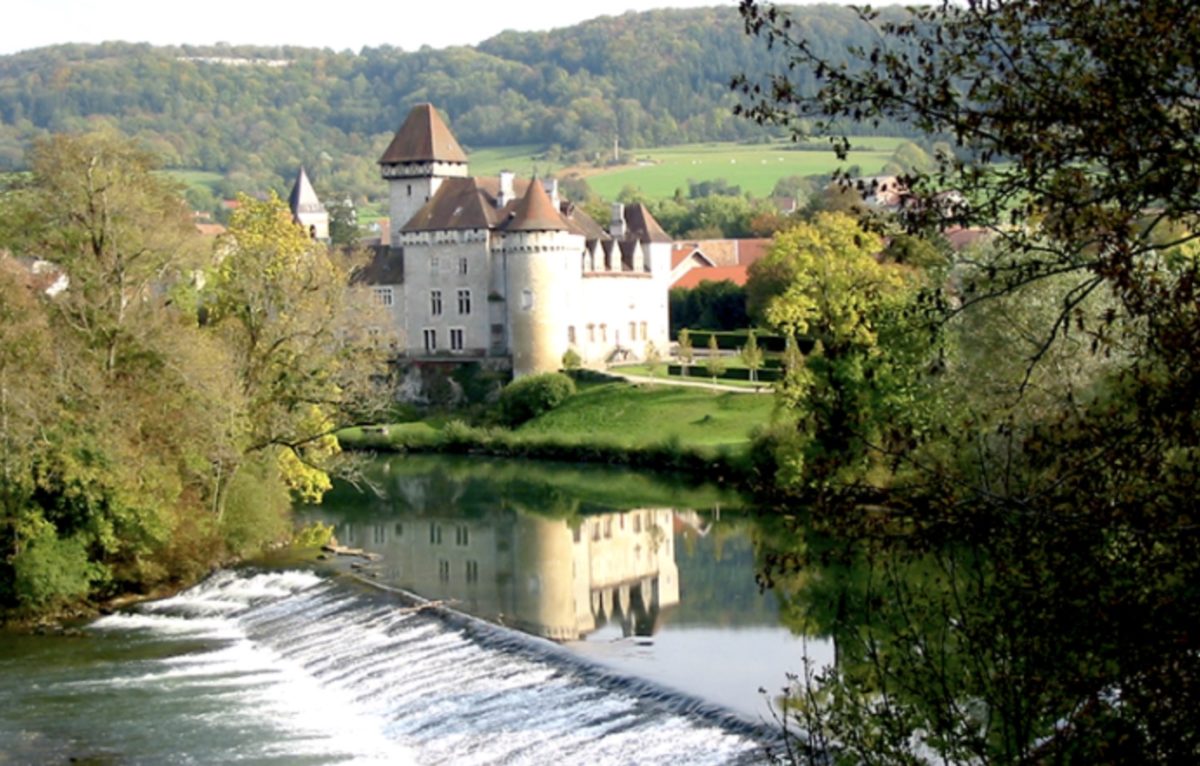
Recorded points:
(582, 615)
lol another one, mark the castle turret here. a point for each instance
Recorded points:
(420, 157)
(307, 209)
(542, 256)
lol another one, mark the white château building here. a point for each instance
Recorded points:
(504, 269)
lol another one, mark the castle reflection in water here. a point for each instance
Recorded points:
(550, 577)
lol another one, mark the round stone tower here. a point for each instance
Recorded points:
(542, 257)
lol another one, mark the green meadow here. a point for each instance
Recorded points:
(641, 415)
(754, 167)
(615, 415)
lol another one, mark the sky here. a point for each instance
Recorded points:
(336, 24)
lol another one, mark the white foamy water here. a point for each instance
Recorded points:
(286, 667)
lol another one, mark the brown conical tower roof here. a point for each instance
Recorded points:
(423, 137)
(535, 212)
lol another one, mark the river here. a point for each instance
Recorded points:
(583, 615)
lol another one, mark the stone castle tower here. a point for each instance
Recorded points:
(422, 154)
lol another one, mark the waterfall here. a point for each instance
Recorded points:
(330, 670)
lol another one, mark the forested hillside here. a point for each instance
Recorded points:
(649, 79)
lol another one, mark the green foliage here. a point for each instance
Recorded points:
(751, 355)
(684, 349)
(653, 357)
(571, 359)
(257, 507)
(137, 445)
(714, 363)
(1006, 475)
(533, 395)
(49, 571)
(312, 535)
(709, 306)
(343, 223)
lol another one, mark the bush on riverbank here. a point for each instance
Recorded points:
(526, 398)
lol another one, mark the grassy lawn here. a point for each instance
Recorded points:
(754, 167)
(633, 416)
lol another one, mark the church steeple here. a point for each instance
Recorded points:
(307, 209)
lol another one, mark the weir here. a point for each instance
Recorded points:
(348, 673)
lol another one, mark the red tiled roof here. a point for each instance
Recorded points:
(535, 212)
(735, 274)
(751, 250)
(423, 137)
(682, 251)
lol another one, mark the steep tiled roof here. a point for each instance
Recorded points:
(751, 250)
(681, 251)
(458, 204)
(303, 198)
(735, 274)
(582, 223)
(386, 267)
(642, 225)
(535, 212)
(423, 137)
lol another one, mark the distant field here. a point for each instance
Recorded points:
(754, 167)
(195, 178)
(518, 159)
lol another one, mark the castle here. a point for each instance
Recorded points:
(503, 269)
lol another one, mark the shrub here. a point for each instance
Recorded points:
(526, 398)
(571, 359)
(51, 570)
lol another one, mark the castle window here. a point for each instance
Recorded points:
(644, 331)
(633, 331)
(383, 296)
(462, 265)
(435, 302)
(435, 534)
(443, 570)
(472, 571)
(604, 333)
(410, 190)
(526, 299)
(456, 339)
(571, 334)
(591, 333)
(462, 534)
(435, 263)
(430, 340)
(464, 301)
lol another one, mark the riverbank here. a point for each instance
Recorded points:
(700, 433)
